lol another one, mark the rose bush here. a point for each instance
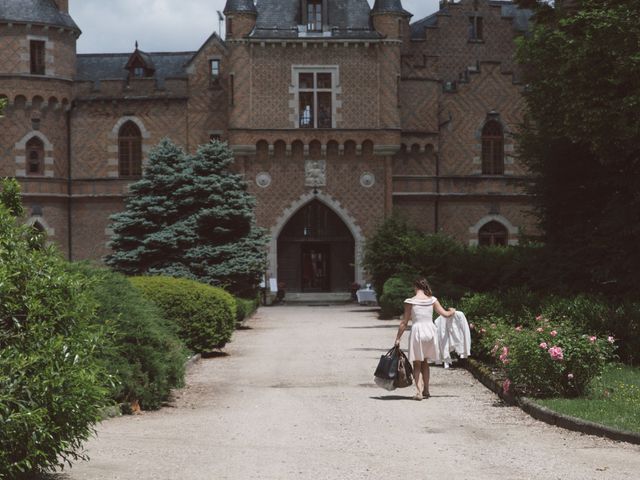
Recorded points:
(554, 358)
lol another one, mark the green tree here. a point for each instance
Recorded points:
(191, 217)
(582, 140)
(52, 389)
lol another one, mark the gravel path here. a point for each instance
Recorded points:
(295, 400)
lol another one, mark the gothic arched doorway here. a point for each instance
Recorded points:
(316, 251)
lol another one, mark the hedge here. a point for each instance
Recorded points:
(245, 307)
(141, 349)
(52, 389)
(205, 316)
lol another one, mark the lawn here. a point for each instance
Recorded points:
(613, 399)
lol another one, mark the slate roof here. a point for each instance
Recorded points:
(44, 12)
(521, 18)
(239, 6)
(382, 6)
(281, 19)
(111, 66)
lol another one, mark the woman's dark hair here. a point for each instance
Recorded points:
(422, 284)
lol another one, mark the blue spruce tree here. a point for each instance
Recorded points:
(193, 218)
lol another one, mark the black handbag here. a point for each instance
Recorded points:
(388, 365)
(394, 370)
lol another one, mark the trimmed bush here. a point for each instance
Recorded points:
(395, 291)
(246, 307)
(141, 350)
(205, 316)
(52, 389)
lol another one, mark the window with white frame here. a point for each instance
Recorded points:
(316, 91)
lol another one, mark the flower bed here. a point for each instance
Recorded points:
(544, 358)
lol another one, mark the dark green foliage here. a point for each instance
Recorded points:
(52, 389)
(582, 140)
(396, 290)
(141, 349)
(191, 217)
(451, 268)
(590, 314)
(205, 316)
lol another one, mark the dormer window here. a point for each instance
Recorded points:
(140, 64)
(314, 15)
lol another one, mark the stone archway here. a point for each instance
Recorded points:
(345, 245)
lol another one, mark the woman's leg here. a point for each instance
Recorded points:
(425, 378)
(417, 368)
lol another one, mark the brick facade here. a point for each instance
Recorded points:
(409, 103)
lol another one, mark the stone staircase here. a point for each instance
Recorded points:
(320, 298)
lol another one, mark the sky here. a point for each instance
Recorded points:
(163, 25)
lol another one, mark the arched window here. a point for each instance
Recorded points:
(315, 149)
(130, 150)
(493, 233)
(349, 149)
(35, 156)
(262, 151)
(492, 148)
(279, 149)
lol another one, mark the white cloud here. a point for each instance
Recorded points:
(162, 25)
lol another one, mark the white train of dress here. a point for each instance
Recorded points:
(423, 340)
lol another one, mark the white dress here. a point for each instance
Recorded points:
(423, 340)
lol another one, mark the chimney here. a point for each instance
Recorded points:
(63, 5)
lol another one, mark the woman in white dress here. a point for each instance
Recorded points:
(423, 339)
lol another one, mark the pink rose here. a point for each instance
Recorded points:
(504, 356)
(471, 326)
(570, 376)
(553, 333)
(483, 331)
(610, 339)
(539, 318)
(556, 353)
(544, 345)
(519, 328)
(593, 339)
(539, 329)
(506, 386)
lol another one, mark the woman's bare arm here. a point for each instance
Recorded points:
(441, 311)
(405, 321)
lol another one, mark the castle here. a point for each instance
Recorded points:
(338, 114)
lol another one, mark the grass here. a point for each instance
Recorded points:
(612, 399)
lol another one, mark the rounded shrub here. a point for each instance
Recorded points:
(395, 291)
(205, 316)
(52, 389)
(141, 349)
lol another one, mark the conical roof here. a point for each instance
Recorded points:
(239, 6)
(389, 6)
(43, 12)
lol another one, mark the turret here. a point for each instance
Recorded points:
(390, 18)
(241, 18)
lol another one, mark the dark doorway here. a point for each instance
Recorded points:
(316, 265)
(316, 251)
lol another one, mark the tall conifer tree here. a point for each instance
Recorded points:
(191, 217)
